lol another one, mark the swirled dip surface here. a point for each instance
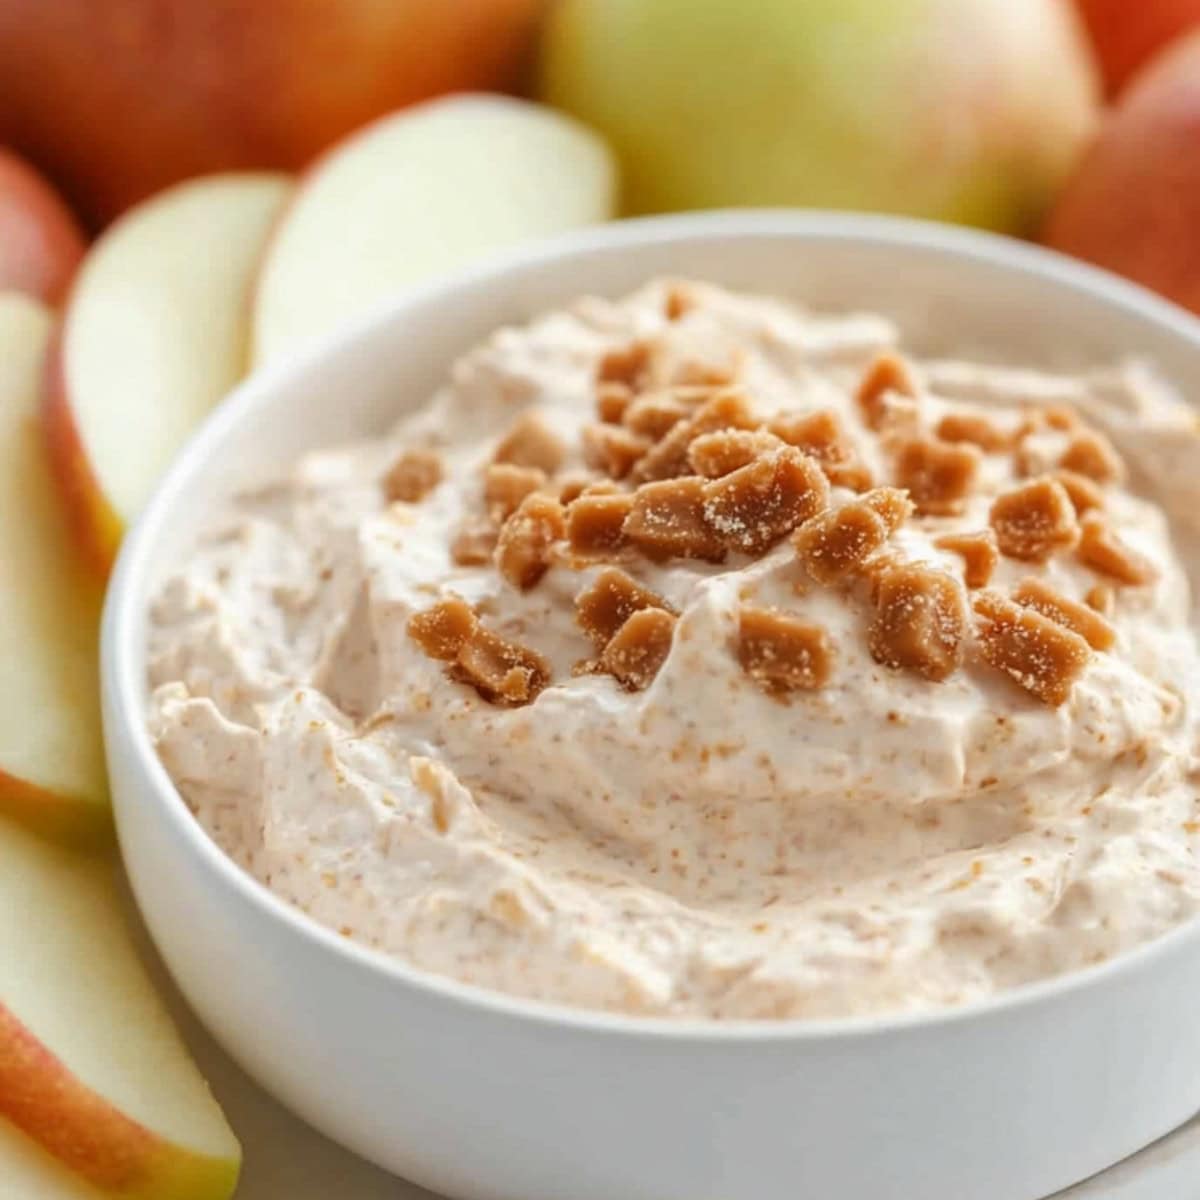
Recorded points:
(942, 803)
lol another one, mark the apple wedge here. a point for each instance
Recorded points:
(92, 1069)
(51, 760)
(29, 1173)
(155, 333)
(418, 193)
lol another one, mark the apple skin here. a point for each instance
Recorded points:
(118, 99)
(67, 819)
(1128, 33)
(41, 243)
(1133, 206)
(962, 110)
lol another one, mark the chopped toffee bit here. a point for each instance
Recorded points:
(531, 443)
(669, 520)
(1060, 416)
(639, 648)
(613, 449)
(679, 301)
(1083, 492)
(443, 630)
(888, 374)
(1093, 455)
(501, 671)
(571, 487)
(821, 435)
(1102, 599)
(976, 429)
(938, 476)
(920, 621)
(655, 414)
(756, 505)
(595, 523)
(978, 552)
(506, 485)
(840, 540)
(1040, 655)
(602, 608)
(780, 653)
(669, 457)
(1104, 551)
(629, 365)
(412, 476)
(474, 544)
(715, 454)
(1034, 521)
(523, 551)
(707, 373)
(1041, 597)
(612, 399)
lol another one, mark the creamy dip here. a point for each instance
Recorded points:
(702, 843)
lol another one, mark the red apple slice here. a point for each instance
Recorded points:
(51, 760)
(419, 193)
(154, 335)
(92, 1069)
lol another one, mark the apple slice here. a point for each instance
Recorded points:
(51, 760)
(419, 193)
(91, 1066)
(29, 1173)
(155, 334)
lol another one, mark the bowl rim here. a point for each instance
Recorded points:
(122, 665)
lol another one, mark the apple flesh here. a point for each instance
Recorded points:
(1134, 204)
(154, 335)
(416, 194)
(961, 110)
(51, 759)
(40, 240)
(91, 1068)
(1128, 33)
(118, 100)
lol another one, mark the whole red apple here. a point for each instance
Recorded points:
(1127, 33)
(40, 240)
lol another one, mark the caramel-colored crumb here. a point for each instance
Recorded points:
(612, 598)
(637, 651)
(1040, 655)
(669, 457)
(780, 653)
(1034, 521)
(1102, 599)
(612, 401)
(889, 373)
(669, 520)
(1061, 417)
(571, 487)
(975, 429)
(977, 550)
(412, 476)
(698, 372)
(1083, 492)
(920, 620)
(939, 476)
(1041, 597)
(840, 540)
(715, 454)
(441, 631)
(753, 507)
(1093, 455)
(822, 435)
(1103, 550)
(523, 550)
(506, 485)
(678, 302)
(595, 523)
(613, 449)
(500, 670)
(655, 414)
(474, 543)
(531, 443)
(629, 365)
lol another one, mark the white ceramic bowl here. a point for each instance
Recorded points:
(485, 1097)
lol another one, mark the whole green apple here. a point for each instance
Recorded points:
(963, 110)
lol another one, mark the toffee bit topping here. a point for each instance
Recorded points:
(756, 505)
(613, 449)
(889, 374)
(654, 414)
(474, 544)
(1092, 454)
(1102, 550)
(443, 630)
(821, 435)
(637, 651)
(572, 487)
(531, 443)
(698, 373)
(715, 454)
(1061, 417)
(669, 457)
(978, 552)
(412, 476)
(506, 485)
(780, 653)
(595, 523)
(668, 519)
(1084, 494)
(839, 541)
(501, 671)
(1041, 597)
(1102, 599)
(678, 302)
(1034, 521)
(920, 621)
(523, 550)
(938, 476)
(612, 399)
(629, 365)
(612, 598)
(975, 429)
(1040, 655)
